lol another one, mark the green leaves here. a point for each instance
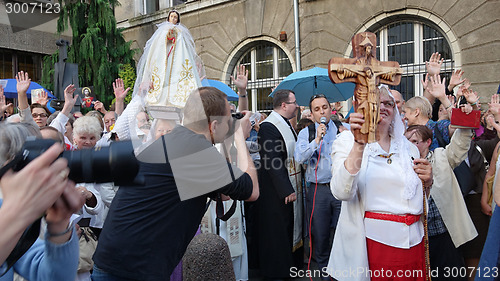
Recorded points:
(97, 46)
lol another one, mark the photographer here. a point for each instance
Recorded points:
(149, 227)
(41, 186)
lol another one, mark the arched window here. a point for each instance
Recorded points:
(411, 43)
(267, 66)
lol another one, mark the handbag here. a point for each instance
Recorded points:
(460, 119)
(88, 244)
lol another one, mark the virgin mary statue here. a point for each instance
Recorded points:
(171, 64)
(168, 71)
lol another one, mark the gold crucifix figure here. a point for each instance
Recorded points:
(367, 72)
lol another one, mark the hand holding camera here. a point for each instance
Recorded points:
(245, 120)
(42, 186)
(36, 187)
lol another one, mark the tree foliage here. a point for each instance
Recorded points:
(97, 46)
(127, 73)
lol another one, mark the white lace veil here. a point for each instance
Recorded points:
(126, 127)
(141, 86)
(397, 130)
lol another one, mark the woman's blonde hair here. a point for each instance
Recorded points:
(422, 104)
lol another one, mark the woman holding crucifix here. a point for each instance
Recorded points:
(380, 233)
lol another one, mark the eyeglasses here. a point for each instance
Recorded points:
(388, 103)
(36, 115)
(291, 102)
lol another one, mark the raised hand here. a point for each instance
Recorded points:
(490, 120)
(466, 83)
(456, 79)
(471, 96)
(425, 82)
(494, 106)
(44, 98)
(338, 106)
(438, 87)
(433, 66)
(69, 100)
(23, 82)
(99, 106)
(451, 98)
(241, 80)
(119, 89)
(68, 94)
(3, 105)
(460, 91)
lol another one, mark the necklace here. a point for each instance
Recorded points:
(388, 157)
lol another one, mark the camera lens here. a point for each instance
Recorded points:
(115, 163)
(238, 115)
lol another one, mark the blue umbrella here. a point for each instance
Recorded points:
(10, 91)
(231, 95)
(315, 81)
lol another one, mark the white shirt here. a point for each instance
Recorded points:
(382, 187)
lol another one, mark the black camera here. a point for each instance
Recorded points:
(232, 123)
(115, 163)
(237, 115)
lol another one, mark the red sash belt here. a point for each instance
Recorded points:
(408, 219)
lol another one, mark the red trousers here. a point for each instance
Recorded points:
(390, 263)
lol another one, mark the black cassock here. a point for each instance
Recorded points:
(274, 219)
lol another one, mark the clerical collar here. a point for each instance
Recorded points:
(286, 120)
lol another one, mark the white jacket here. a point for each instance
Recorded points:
(446, 191)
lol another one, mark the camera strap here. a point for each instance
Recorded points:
(25, 242)
(219, 206)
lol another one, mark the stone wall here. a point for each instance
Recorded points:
(326, 27)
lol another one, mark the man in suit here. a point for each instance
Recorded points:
(279, 209)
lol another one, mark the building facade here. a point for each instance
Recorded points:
(261, 35)
(27, 34)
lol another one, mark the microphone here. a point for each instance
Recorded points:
(322, 120)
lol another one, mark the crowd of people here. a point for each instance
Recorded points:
(282, 189)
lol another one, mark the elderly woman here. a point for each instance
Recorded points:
(450, 225)
(86, 133)
(381, 184)
(39, 187)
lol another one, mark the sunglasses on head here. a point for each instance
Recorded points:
(317, 97)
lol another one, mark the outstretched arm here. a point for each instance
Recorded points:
(120, 94)
(433, 66)
(456, 79)
(69, 100)
(241, 82)
(23, 83)
(485, 207)
(27, 194)
(3, 104)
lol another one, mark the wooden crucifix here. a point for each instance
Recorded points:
(367, 72)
